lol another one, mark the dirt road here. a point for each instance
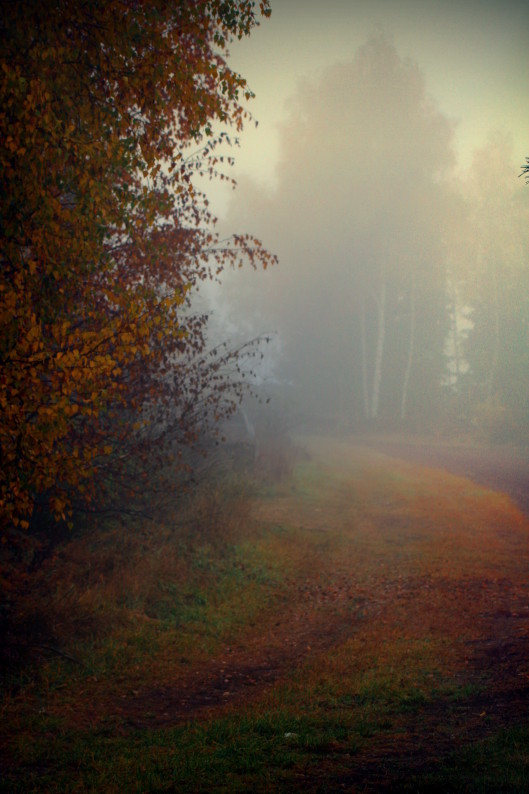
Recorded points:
(500, 468)
(391, 644)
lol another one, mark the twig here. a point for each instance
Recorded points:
(58, 652)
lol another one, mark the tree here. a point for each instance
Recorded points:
(360, 299)
(493, 285)
(107, 114)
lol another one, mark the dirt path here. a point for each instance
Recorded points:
(328, 607)
(500, 653)
(402, 606)
(308, 627)
(246, 669)
(420, 741)
(504, 469)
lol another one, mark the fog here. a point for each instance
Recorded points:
(401, 297)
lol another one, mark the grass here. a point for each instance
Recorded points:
(224, 755)
(399, 565)
(498, 764)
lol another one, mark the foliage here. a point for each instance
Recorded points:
(107, 116)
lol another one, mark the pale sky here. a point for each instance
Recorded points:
(474, 55)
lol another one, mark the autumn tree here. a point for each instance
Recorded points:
(108, 112)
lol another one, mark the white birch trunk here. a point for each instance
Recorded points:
(411, 353)
(380, 302)
(456, 338)
(363, 339)
(491, 380)
(250, 429)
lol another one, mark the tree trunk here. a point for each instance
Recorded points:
(456, 344)
(491, 379)
(363, 339)
(411, 352)
(380, 302)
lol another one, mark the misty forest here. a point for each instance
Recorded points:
(264, 481)
(401, 300)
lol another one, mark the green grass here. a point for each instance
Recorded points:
(497, 765)
(233, 754)
(259, 750)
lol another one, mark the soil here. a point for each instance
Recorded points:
(501, 468)
(501, 653)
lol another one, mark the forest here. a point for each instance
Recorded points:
(400, 302)
(196, 414)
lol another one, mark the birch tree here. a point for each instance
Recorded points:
(494, 283)
(359, 220)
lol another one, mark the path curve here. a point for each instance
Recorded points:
(504, 469)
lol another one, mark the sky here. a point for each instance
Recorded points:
(474, 57)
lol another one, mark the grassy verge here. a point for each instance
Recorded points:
(380, 576)
(497, 764)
